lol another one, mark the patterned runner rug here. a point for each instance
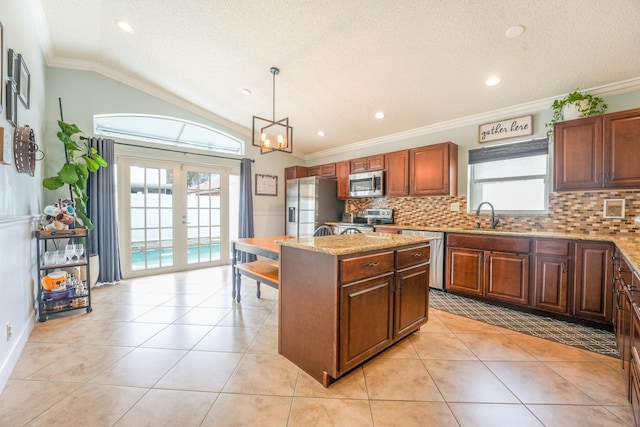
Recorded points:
(592, 339)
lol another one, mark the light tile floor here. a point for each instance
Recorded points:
(175, 350)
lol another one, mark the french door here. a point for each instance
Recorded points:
(174, 216)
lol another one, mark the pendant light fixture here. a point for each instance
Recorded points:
(272, 135)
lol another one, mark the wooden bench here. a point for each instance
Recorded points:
(261, 271)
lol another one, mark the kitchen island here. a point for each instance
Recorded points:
(345, 298)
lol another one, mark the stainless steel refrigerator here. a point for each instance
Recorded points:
(311, 202)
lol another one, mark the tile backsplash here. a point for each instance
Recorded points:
(569, 212)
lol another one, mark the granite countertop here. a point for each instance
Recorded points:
(346, 244)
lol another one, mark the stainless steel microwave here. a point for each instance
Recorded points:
(366, 184)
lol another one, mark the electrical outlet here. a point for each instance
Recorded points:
(455, 207)
(9, 331)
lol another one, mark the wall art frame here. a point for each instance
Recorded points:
(613, 208)
(266, 185)
(505, 129)
(12, 64)
(1, 67)
(12, 104)
(24, 82)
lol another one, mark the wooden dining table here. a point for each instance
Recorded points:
(262, 271)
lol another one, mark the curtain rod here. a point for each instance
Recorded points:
(173, 151)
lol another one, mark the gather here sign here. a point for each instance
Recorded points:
(505, 129)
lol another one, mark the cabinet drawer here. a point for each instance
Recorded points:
(412, 256)
(552, 247)
(489, 243)
(353, 269)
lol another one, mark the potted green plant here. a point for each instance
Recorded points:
(584, 105)
(81, 159)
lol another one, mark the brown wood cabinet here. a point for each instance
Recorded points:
(492, 267)
(433, 170)
(552, 258)
(593, 281)
(598, 152)
(338, 311)
(294, 172)
(506, 277)
(397, 173)
(326, 171)
(626, 326)
(622, 149)
(567, 277)
(343, 169)
(366, 164)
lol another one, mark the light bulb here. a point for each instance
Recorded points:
(263, 136)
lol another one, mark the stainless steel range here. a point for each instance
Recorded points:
(366, 220)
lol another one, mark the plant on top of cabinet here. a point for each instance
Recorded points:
(81, 159)
(584, 104)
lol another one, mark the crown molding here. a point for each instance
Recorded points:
(526, 108)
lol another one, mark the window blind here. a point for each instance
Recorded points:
(534, 147)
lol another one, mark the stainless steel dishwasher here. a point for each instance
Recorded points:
(436, 269)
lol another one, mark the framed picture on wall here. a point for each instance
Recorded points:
(24, 82)
(266, 185)
(12, 64)
(614, 208)
(11, 108)
(1, 67)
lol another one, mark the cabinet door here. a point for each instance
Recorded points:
(578, 154)
(295, 172)
(397, 176)
(359, 165)
(593, 278)
(375, 163)
(465, 273)
(551, 279)
(342, 173)
(411, 300)
(328, 170)
(366, 320)
(313, 171)
(507, 277)
(433, 171)
(622, 149)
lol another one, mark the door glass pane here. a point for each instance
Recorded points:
(151, 217)
(203, 215)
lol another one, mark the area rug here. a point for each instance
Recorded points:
(587, 338)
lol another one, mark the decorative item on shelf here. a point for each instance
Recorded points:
(59, 215)
(272, 135)
(25, 150)
(575, 105)
(81, 159)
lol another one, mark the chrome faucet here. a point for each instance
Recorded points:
(494, 219)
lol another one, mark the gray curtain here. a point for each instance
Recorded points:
(102, 211)
(246, 207)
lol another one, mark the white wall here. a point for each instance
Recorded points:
(20, 194)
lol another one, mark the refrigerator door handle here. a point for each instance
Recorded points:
(292, 214)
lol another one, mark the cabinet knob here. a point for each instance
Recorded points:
(417, 254)
(373, 264)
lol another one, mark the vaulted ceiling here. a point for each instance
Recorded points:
(421, 62)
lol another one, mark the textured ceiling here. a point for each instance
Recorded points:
(422, 62)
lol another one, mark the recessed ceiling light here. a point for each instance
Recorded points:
(321, 133)
(125, 26)
(515, 31)
(380, 115)
(245, 91)
(492, 81)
